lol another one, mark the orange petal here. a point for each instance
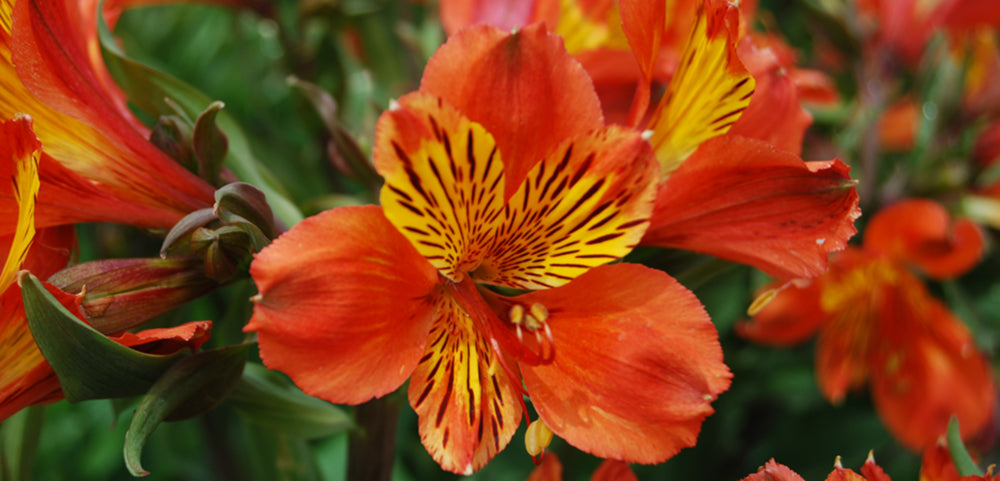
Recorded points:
(19, 149)
(773, 471)
(522, 87)
(612, 389)
(444, 182)
(81, 118)
(549, 470)
(920, 232)
(928, 373)
(709, 91)
(469, 408)
(613, 470)
(168, 340)
(971, 13)
(584, 205)
(742, 200)
(842, 474)
(791, 317)
(936, 464)
(345, 305)
(774, 114)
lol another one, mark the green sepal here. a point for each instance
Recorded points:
(959, 455)
(183, 228)
(190, 387)
(210, 144)
(172, 135)
(263, 399)
(88, 364)
(149, 88)
(242, 202)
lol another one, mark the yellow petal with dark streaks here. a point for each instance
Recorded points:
(21, 148)
(706, 96)
(443, 190)
(468, 406)
(584, 205)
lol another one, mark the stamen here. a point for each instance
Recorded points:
(535, 320)
(537, 437)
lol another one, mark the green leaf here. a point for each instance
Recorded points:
(88, 364)
(149, 88)
(19, 436)
(280, 407)
(190, 387)
(959, 455)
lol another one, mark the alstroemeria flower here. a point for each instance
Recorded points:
(879, 325)
(551, 469)
(499, 172)
(733, 185)
(25, 377)
(98, 164)
(774, 471)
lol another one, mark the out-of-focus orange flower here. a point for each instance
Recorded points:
(499, 171)
(879, 325)
(550, 469)
(897, 128)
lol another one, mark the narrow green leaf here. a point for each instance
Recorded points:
(149, 88)
(189, 388)
(959, 455)
(19, 436)
(280, 407)
(87, 363)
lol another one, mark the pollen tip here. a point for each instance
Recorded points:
(468, 470)
(256, 298)
(393, 105)
(871, 456)
(646, 134)
(820, 241)
(836, 463)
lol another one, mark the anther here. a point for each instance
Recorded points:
(537, 437)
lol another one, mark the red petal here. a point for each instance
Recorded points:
(930, 371)
(168, 340)
(612, 470)
(920, 232)
(774, 114)
(646, 23)
(742, 200)
(773, 471)
(936, 464)
(522, 87)
(550, 469)
(791, 317)
(612, 389)
(345, 305)
(971, 13)
(84, 121)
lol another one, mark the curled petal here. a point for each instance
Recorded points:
(345, 305)
(584, 205)
(469, 408)
(522, 87)
(612, 389)
(774, 114)
(920, 231)
(742, 200)
(791, 317)
(773, 471)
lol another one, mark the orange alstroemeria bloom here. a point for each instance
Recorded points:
(499, 172)
(550, 469)
(25, 377)
(97, 164)
(774, 471)
(733, 185)
(878, 324)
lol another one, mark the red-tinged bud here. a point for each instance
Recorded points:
(118, 294)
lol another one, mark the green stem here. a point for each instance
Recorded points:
(372, 450)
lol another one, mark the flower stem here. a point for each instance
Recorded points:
(372, 451)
